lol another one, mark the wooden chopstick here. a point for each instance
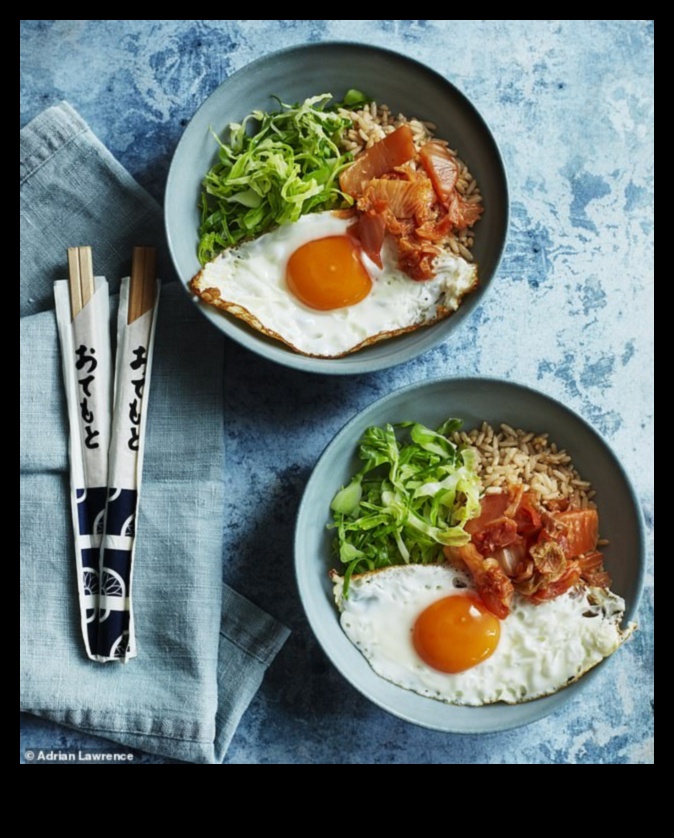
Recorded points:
(80, 277)
(143, 286)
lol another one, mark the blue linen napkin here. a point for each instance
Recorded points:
(202, 648)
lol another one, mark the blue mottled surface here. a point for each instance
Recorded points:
(570, 103)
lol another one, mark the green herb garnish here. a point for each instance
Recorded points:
(275, 167)
(413, 495)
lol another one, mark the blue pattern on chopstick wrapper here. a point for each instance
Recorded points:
(121, 514)
(114, 612)
(90, 517)
(91, 510)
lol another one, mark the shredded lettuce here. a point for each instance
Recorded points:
(274, 167)
(413, 495)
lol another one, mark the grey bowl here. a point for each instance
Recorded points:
(473, 400)
(294, 74)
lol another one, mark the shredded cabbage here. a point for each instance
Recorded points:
(275, 167)
(413, 495)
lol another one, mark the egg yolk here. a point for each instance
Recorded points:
(456, 633)
(328, 273)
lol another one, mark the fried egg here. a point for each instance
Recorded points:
(424, 628)
(310, 285)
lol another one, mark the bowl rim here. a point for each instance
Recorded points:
(545, 704)
(431, 336)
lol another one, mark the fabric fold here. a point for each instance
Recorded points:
(74, 192)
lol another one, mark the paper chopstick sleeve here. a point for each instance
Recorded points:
(87, 374)
(135, 343)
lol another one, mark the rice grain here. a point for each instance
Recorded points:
(515, 456)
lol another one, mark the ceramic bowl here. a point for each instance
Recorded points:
(293, 75)
(473, 400)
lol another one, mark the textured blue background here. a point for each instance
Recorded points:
(570, 103)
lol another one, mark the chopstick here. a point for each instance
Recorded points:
(80, 278)
(83, 319)
(136, 322)
(106, 437)
(143, 284)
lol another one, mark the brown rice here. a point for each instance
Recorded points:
(373, 122)
(512, 455)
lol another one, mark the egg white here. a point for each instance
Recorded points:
(542, 648)
(249, 282)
